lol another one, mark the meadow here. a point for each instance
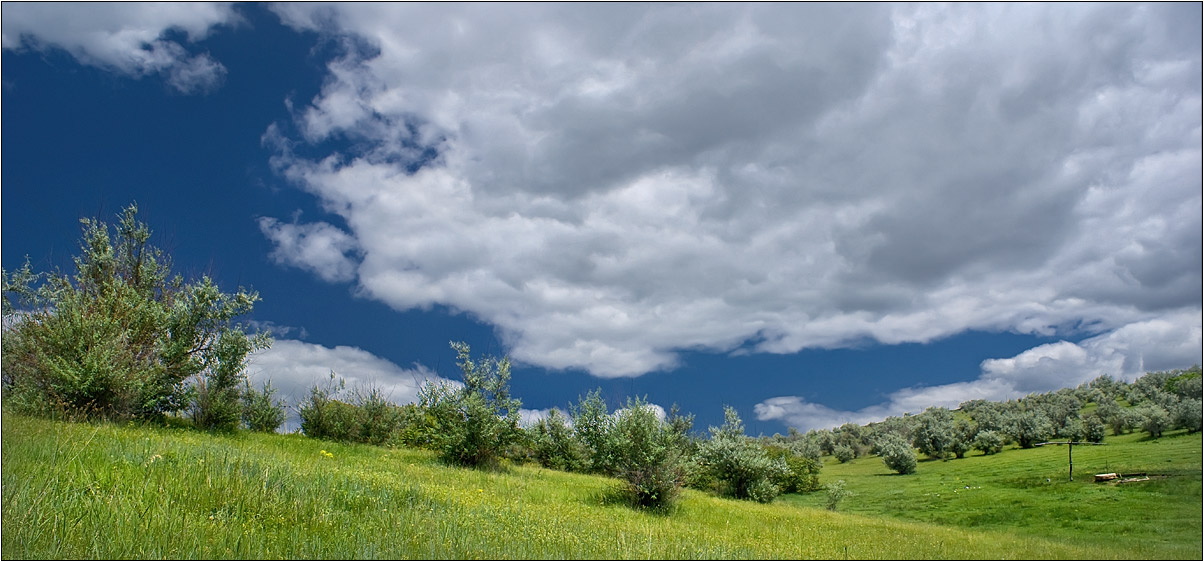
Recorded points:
(74, 490)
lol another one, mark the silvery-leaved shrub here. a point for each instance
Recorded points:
(897, 453)
(123, 338)
(742, 468)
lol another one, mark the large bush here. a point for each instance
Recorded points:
(743, 469)
(591, 425)
(802, 474)
(478, 420)
(897, 453)
(1029, 427)
(644, 452)
(259, 411)
(934, 433)
(123, 338)
(555, 446)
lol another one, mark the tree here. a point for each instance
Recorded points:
(591, 424)
(259, 411)
(554, 444)
(1029, 427)
(742, 467)
(479, 419)
(934, 434)
(1155, 419)
(645, 456)
(123, 338)
(897, 453)
(989, 441)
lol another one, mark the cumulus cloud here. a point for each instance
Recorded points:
(1125, 353)
(124, 37)
(319, 248)
(294, 367)
(608, 185)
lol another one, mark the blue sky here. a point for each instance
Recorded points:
(813, 213)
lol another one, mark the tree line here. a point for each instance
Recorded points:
(1154, 403)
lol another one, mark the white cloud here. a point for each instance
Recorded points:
(317, 247)
(294, 367)
(616, 183)
(126, 37)
(1125, 353)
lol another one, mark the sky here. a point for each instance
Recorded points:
(814, 213)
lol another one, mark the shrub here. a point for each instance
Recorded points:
(591, 425)
(554, 445)
(259, 411)
(934, 433)
(1186, 414)
(844, 453)
(1094, 429)
(479, 420)
(645, 456)
(802, 474)
(323, 417)
(378, 420)
(1154, 419)
(1029, 427)
(989, 442)
(742, 468)
(897, 453)
(122, 338)
(836, 493)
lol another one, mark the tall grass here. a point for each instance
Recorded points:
(127, 492)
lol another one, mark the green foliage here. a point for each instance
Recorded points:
(989, 441)
(1094, 429)
(554, 445)
(897, 453)
(591, 425)
(844, 453)
(645, 455)
(122, 338)
(259, 411)
(837, 492)
(802, 474)
(1186, 414)
(741, 467)
(1154, 419)
(479, 420)
(934, 433)
(324, 417)
(1029, 427)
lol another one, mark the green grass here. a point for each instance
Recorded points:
(1029, 491)
(127, 492)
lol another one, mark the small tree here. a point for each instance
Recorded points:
(742, 467)
(1155, 419)
(844, 453)
(803, 471)
(554, 444)
(1186, 413)
(645, 455)
(479, 419)
(836, 493)
(897, 453)
(591, 425)
(989, 442)
(123, 338)
(259, 411)
(934, 434)
(1029, 427)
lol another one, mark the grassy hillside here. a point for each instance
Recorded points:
(105, 491)
(1029, 491)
